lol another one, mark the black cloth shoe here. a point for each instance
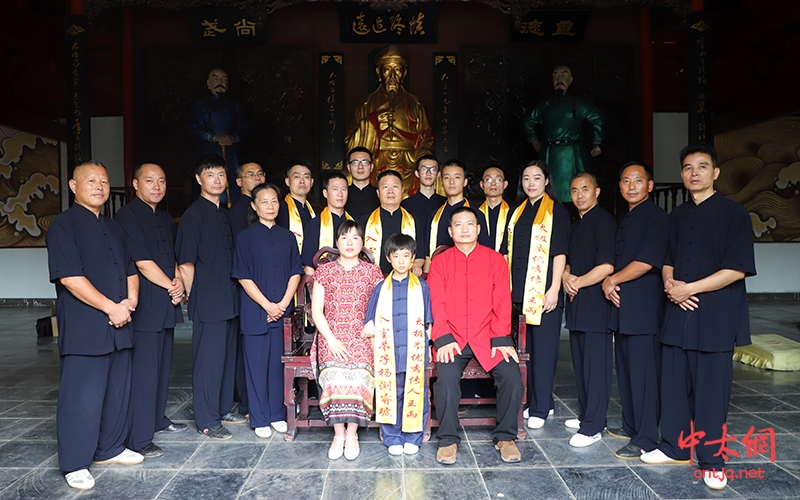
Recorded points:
(629, 452)
(233, 417)
(174, 427)
(218, 432)
(150, 451)
(618, 432)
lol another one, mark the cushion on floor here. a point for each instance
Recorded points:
(770, 351)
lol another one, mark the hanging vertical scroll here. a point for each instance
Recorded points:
(699, 72)
(445, 104)
(331, 111)
(79, 140)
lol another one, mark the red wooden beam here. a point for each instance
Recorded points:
(76, 7)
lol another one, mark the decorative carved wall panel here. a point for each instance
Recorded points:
(274, 85)
(503, 84)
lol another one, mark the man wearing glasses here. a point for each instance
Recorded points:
(248, 176)
(495, 210)
(362, 197)
(426, 200)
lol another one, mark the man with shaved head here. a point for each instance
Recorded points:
(97, 289)
(150, 235)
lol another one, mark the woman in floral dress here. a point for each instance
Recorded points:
(344, 359)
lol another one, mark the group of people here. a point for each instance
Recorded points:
(654, 291)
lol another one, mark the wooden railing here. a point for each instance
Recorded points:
(666, 195)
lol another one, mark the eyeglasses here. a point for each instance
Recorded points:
(253, 175)
(363, 163)
(429, 170)
(493, 180)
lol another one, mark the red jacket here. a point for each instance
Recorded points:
(471, 300)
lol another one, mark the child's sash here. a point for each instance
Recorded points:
(295, 222)
(538, 258)
(502, 217)
(435, 226)
(326, 235)
(373, 233)
(385, 371)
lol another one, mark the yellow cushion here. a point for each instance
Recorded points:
(770, 351)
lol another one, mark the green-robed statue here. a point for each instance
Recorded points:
(561, 143)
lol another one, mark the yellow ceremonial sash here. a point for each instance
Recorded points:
(295, 222)
(501, 222)
(385, 372)
(326, 235)
(435, 226)
(373, 233)
(538, 258)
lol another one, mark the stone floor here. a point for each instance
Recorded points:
(246, 467)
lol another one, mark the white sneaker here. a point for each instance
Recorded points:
(535, 423)
(263, 432)
(410, 449)
(582, 440)
(573, 423)
(715, 480)
(127, 457)
(526, 413)
(659, 457)
(396, 450)
(80, 479)
(280, 426)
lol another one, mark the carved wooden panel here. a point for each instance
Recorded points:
(502, 85)
(274, 85)
(277, 89)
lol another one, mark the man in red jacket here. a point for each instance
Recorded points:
(471, 301)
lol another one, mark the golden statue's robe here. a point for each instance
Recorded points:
(395, 144)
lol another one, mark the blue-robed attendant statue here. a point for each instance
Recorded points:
(219, 125)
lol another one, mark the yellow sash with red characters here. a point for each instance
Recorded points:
(435, 226)
(295, 222)
(502, 217)
(385, 372)
(326, 235)
(538, 258)
(373, 233)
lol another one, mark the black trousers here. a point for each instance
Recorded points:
(241, 378)
(91, 416)
(592, 360)
(543, 341)
(214, 356)
(262, 361)
(695, 386)
(151, 361)
(637, 378)
(447, 393)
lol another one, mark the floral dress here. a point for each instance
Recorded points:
(347, 388)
